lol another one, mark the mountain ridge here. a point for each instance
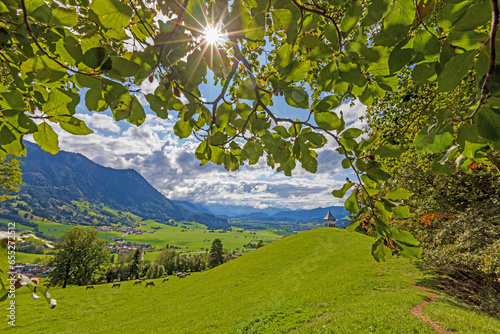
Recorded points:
(55, 181)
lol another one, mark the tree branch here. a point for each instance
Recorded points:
(491, 69)
(30, 33)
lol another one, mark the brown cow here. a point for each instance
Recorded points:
(182, 276)
(103, 282)
(150, 283)
(36, 280)
(138, 282)
(116, 280)
(89, 287)
(116, 284)
(165, 280)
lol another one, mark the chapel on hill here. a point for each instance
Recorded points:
(329, 220)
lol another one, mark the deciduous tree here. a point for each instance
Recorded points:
(216, 253)
(78, 257)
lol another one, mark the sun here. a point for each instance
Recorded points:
(212, 35)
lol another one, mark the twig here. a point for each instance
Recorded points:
(30, 33)
(320, 11)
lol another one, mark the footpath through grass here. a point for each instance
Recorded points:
(320, 281)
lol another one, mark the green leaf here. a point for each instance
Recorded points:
(112, 14)
(282, 131)
(375, 12)
(352, 133)
(379, 252)
(137, 114)
(64, 16)
(94, 57)
(88, 81)
(400, 56)
(451, 12)
(397, 23)
(407, 243)
(46, 138)
(382, 227)
(423, 73)
(61, 102)
(378, 175)
(332, 36)
(426, 44)
(402, 211)
(340, 193)
(73, 125)
(297, 98)
(389, 151)
(316, 139)
(351, 72)
(253, 151)
(94, 100)
(327, 103)
(351, 17)
(488, 123)
(183, 129)
(439, 167)
(398, 194)
(123, 67)
(6, 136)
(12, 100)
(351, 203)
(475, 16)
(327, 120)
(454, 70)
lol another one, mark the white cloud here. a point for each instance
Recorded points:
(99, 121)
(170, 166)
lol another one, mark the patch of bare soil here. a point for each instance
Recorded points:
(417, 310)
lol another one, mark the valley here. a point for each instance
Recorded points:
(318, 281)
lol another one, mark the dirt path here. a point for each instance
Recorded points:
(417, 310)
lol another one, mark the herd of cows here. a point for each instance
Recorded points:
(117, 282)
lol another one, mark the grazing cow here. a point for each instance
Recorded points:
(182, 276)
(150, 283)
(116, 284)
(103, 281)
(165, 280)
(36, 280)
(138, 282)
(89, 287)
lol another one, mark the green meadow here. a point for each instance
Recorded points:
(319, 281)
(189, 237)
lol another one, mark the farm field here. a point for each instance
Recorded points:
(29, 258)
(190, 237)
(319, 281)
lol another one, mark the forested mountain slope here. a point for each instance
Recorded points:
(54, 182)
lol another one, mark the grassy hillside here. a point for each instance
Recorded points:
(320, 281)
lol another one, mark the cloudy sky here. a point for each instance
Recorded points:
(169, 164)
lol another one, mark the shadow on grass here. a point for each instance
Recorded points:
(470, 292)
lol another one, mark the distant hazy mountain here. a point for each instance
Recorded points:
(193, 207)
(53, 181)
(268, 214)
(337, 211)
(234, 211)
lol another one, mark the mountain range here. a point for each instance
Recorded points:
(60, 182)
(68, 187)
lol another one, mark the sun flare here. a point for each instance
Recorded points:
(212, 35)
